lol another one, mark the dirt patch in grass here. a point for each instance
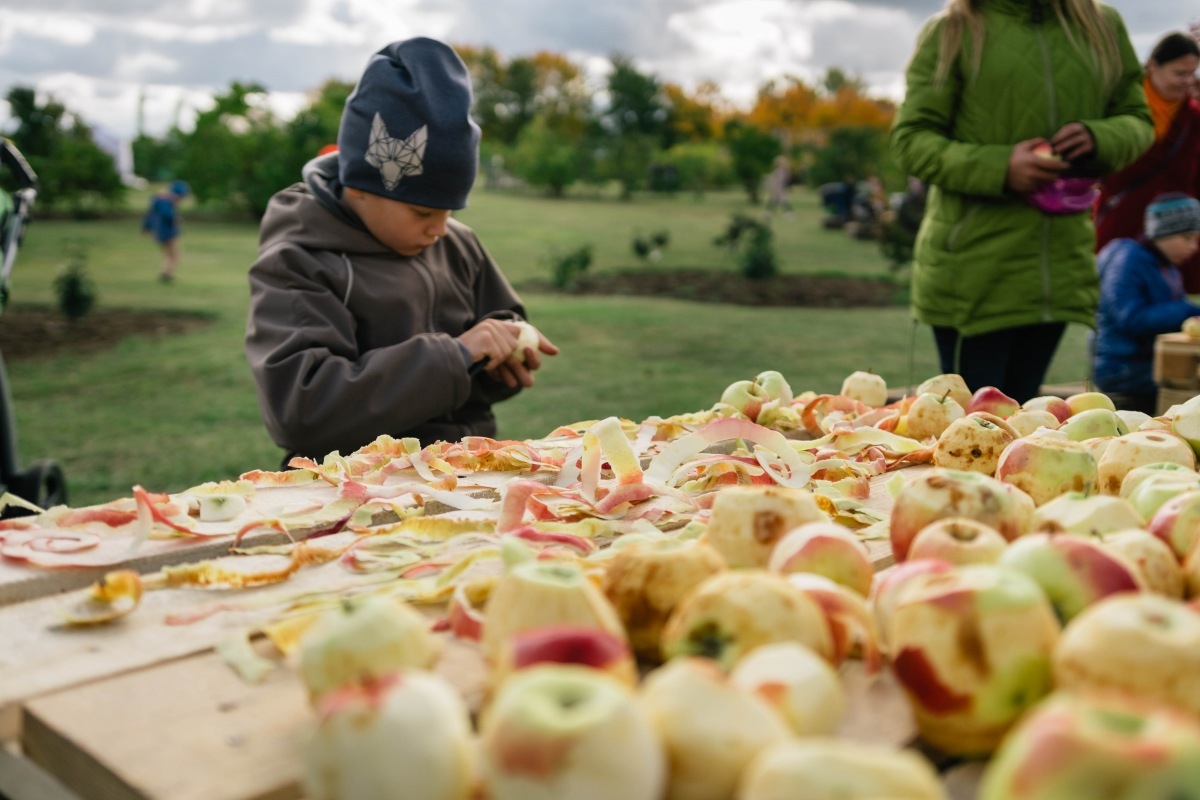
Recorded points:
(711, 286)
(29, 332)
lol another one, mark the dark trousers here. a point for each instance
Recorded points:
(1014, 360)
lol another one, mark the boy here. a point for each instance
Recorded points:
(371, 310)
(1141, 296)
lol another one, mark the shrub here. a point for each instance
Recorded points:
(650, 247)
(566, 267)
(75, 290)
(753, 246)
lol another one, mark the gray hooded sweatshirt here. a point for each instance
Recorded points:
(348, 339)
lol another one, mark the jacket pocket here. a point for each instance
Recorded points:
(960, 228)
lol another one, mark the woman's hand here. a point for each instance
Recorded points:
(1032, 164)
(495, 340)
(1073, 141)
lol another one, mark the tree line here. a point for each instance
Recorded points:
(545, 125)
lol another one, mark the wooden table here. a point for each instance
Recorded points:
(141, 709)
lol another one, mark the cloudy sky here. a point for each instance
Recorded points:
(104, 58)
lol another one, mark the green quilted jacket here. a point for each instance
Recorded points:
(984, 258)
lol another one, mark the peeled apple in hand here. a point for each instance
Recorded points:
(407, 735)
(527, 338)
(1191, 327)
(364, 639)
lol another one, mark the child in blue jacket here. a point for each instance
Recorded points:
(1141, 296)
(162, 222)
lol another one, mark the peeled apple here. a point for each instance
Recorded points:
(364, 639)
(527, 337)
(407, 735)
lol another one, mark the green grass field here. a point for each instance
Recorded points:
(170, 412)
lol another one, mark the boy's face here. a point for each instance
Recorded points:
(1180, 247)
(403, 227)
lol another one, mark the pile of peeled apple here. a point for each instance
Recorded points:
(1042, 616)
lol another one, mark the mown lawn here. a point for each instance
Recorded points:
(170, 412)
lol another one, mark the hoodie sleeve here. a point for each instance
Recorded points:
(316, 390)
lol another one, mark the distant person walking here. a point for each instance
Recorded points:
(1007, 100)
(162, 222)
(1172, 164)
(778, 181)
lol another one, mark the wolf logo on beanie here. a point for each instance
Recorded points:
(395, 157)
(406, 132)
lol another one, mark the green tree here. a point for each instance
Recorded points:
(701, 166)
(316, 125)
(73, 172)
(633, 125)
(233, 154)
(753, 150)
(155, 159)
(545, 158)
(849, 151)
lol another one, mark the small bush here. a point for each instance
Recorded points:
(566, 267)
(752, 244)
(650, 247)
(75, 290)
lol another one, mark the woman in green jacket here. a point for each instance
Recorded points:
(1000, 132)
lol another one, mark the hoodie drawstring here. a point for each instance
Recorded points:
(349, 279)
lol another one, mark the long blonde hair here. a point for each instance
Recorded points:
(963, 17)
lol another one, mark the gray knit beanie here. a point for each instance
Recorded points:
(1170, 214)
(406, 132)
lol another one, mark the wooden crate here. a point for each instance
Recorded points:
(1177, 362)
(1171, 397)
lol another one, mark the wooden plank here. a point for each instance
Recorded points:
(41, 656)
(189, 730)
(21, 779)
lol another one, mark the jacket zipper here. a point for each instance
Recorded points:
(1036, 17)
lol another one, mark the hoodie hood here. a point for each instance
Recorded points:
(311, 214)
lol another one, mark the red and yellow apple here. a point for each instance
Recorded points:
(971, 648)
(1073, 571)
(825, 548)
(1088, 746)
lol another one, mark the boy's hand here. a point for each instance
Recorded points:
(495, 340)
(1030, 167)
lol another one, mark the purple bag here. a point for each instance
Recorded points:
(1065, 196)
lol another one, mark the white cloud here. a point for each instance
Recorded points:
(69, 31)
(100, 57)
(137, 67)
